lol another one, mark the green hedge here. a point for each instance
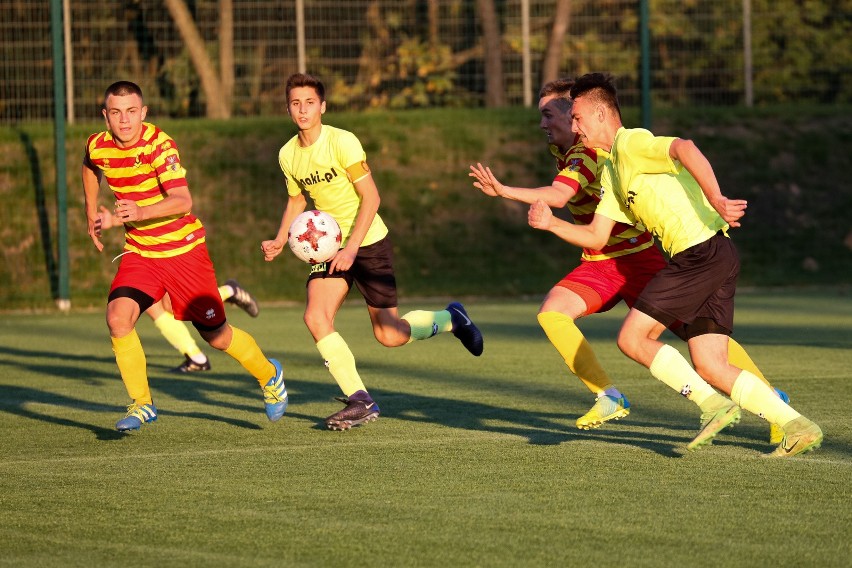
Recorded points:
(790, 163)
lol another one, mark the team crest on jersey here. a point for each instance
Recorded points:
(172, 163)
(167, 145)
(106, 163)
(138, 161)
(574, 164)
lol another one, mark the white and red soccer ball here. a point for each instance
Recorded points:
(314, 237)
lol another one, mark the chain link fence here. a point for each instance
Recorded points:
(193, 57)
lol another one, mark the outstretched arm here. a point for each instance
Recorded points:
(688, 154)
(555, 195)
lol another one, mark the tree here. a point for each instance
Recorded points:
(495, 95)
(217, 98)
(553, 55)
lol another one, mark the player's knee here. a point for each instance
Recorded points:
(318, 324)
(120, 321)
(627, 344)
(708, 369)
(216, 337)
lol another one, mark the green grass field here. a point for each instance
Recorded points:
(474, 462)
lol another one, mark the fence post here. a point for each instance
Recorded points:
(63, 300)
(645, 63)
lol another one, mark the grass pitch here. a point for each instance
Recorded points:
(474, 461)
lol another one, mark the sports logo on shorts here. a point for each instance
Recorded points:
(319, 267)
(686, 391)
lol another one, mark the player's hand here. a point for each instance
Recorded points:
(128, 210)
(105, 220)
(486, 181)
(342, 261)
(540, 215)
(271, 249)
(95, 232)
(731, 210)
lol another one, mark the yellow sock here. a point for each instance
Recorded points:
(132, 365)
(738, 357)
(177, 334)
(427, 324)
(670, 367)
(758, 398)
(225, 292)
(564, 334)
(244, 349)
(341, 363)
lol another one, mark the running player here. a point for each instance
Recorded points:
(329, 165)
(176, 332)
(164, 251)
(668, 185)
(617, 271)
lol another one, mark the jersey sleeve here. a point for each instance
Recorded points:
(649, 153)
(293, 188)
(166, 162)
(580, 168)
(351, 155)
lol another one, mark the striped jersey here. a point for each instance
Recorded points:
(580, 168)
(145, 173)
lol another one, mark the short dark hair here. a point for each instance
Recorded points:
(122, 89)
(304, 80)
(558, 87)
(560, 90)
(599, 87)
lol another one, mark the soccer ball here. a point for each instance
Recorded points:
(314, 237)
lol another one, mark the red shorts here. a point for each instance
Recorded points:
(189, 279)
(604, 283)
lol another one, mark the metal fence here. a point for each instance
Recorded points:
(407, 53)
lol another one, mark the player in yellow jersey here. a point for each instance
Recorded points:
(164, 251)
(329, 165)
(668, 185)
(617, 271)
(176, 332)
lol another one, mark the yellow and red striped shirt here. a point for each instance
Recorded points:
(580, 169)
(145, 173)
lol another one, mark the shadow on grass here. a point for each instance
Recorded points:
(641, 429)
(17, 400)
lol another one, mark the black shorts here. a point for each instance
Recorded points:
(697, 287)
(372, 273)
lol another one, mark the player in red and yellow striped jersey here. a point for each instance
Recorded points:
(176, 332)
(617, 271)
(164, 252)
(668, 185)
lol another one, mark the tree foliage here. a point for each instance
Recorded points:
(220, 57)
